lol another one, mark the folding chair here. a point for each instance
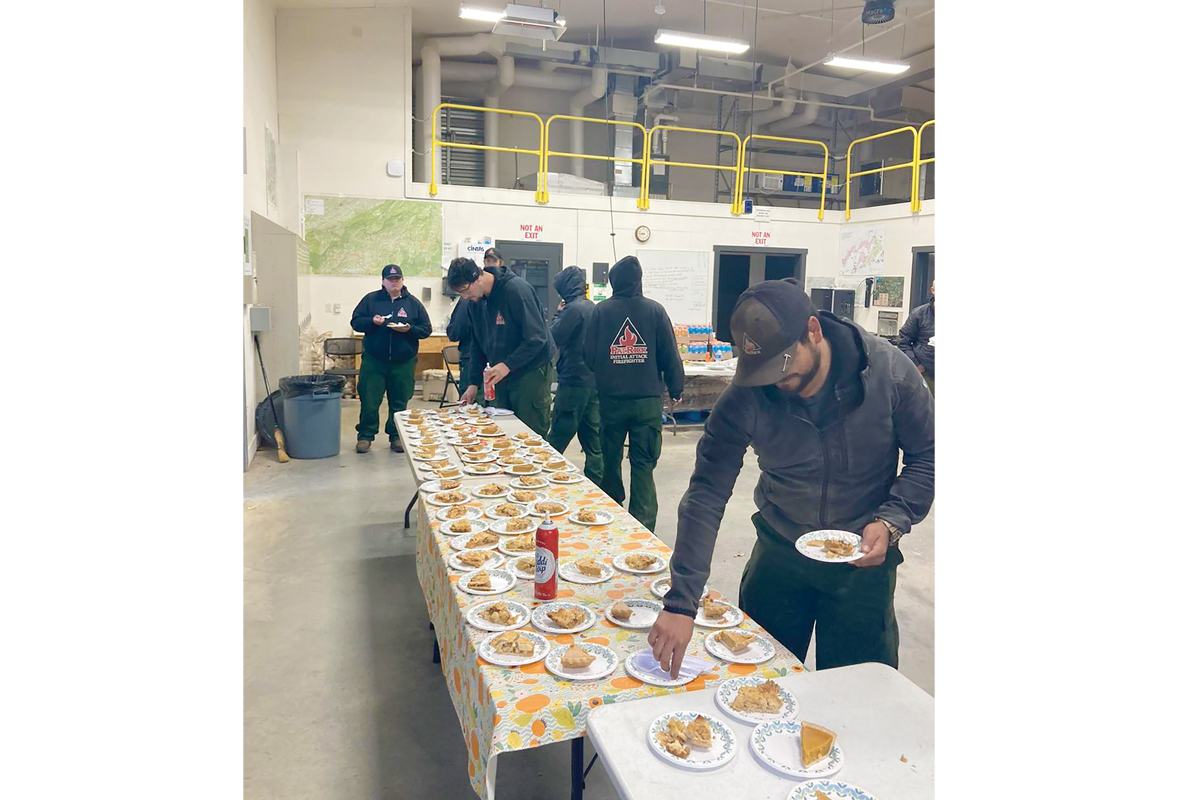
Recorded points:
(343, 348)
(451, 356)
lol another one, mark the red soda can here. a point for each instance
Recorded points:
(545, 574)
(489, 389)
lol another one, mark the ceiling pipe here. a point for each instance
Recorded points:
(432, 51)
(806, 117)
(579, 101)
(785, 109)
(505, 76)
(819, 103)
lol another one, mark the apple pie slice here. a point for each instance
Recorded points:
(497, 614)
(482, 539)
(761, 699)
(736, 642)
(509, 510)
(550, 508)
(492, 490)
(516, 525)
(699, 732)
(512, 643)
(527, 565)
(589, 566)
(458, 512)
(640, 561)
(561, 476)
(460, 526)
(621, 611)
(524, 496)
(673, 739)
(524, 543)
(530, 480)
(577, 658)
(475, 558)
(712, 608)
(586, 515)
(480, 582)
(454, 496)
(567, 616)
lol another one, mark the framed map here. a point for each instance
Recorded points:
(360, 235)
(888, 292)
(861, 251)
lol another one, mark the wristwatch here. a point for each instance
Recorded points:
(894, 533)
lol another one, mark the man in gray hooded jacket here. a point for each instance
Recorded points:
(827, 408)
(576, 405)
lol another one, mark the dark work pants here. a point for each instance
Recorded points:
(577, 410)
(527, 396)
(639, 419)
(850, 607)
(376, 377)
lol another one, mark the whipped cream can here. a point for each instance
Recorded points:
(545, 575)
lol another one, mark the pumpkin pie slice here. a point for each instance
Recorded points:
(816, 743)
(577, 658)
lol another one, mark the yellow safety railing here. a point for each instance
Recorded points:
(735, 168)
(918, 161)
(540, 194)
(823, 174)
(850, 175)
(642, 202)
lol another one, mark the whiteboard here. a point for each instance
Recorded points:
(680, 280)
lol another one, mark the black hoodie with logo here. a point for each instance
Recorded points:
(507, 326)
(388, 344)
(568, 327)
(630, 342)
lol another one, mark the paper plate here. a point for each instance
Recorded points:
(575, 478)
(500, 526)
(495, 560)
(520, 573)
(525, 469)
(660, 563)
(460, 543)
(645, 612)
(434, 501)
(602, 517)
(540, 484)
(569, 572)
(491, 512)
(652, 678)
(541, 647)
(777, 745)
(604, 665)
(475, 619)
(818, 553)
(759, 651)
(442, 456)
(562, 507)
(733, 617)
(477, 525)
(478, 492)
(722, 751)
(482, 458)
(538, 497)
(435, 486)
(502, 581)
(660, 587)
(542, 621)
(481, 469)
(472, 513)
(727, 692)
(834, 790)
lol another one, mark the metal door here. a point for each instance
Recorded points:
(538, 263)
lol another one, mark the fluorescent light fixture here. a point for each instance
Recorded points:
(531, 22)
(699, 41)
(866, 65)
(480, 14)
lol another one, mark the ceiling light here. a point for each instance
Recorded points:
(701, 42)
(866, 65)
(532, 22)
(480, 14)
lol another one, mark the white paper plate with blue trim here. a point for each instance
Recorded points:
(834, 790)
(645, 612)
(758, 651)
(520, 612)
(450, 497)
(470, 513)
(493, 560)
(777, 745)
(602, 667)
(501, 579)
(661, 586)
(727, 692)
(543, 622)
(493, 511)
(487, 651)
(482, 495)
(811, 545)
(539, 482)
(477, 525)
(722, 751)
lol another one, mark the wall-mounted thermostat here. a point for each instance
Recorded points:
(642, 234)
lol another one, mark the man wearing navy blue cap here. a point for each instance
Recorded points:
(827, 408)
(393, 321)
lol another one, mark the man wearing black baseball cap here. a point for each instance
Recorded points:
(492, 258)
(827, 408)
(392, 321)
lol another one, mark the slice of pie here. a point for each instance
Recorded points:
(480, 582)
(497, 614)
(712, 608)
(549, 508)
(492, 489)
(475, 558)
(527, 565)
(513, 644)
(699, 732)
(588, 566)
(736, 642)
(673, 739)
(531, 480)
(586, 515)
(509, 510)
(448, 472)
(450, 483)
(558, 463)
(460, 526)
(524, 468)
(523, 435)
(489, 429)
(561, 476)
(816, 743)
(510, 460)
(762, 699)
(567, 616)
(482, 539)
(454, 496)
(517, 525)
(441, 464)
(640, 561)
(577, 658)
(524, 496)
(523, 543)
(621, 611)
(458, 512)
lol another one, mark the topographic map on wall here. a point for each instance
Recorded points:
(861, 251)
(360, 235)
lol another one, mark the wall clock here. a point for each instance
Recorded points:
(642, 234)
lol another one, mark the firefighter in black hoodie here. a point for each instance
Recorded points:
(576, 406)
(630, 348)
(509, 332)
(392, 321)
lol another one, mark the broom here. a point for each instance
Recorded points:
(280, 451)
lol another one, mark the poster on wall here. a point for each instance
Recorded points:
(888, 292)
(272, 197)
(246, 246)
(360, 235)
(861, 251)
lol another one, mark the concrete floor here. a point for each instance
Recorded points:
(340, 697)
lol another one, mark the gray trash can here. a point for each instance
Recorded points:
(312, 415)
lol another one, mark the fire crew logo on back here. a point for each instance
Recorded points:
(628, 347)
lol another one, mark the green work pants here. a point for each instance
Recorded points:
(374, 378)
(639, 419)
(850, 607)
(527, 396)
(577, 410)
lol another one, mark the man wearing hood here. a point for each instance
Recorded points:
(827, 408)
(392, 322)
(915, 336)
(576, 406)
(508, 331)
(630, 348)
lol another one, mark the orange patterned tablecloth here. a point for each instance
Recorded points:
(513, 708)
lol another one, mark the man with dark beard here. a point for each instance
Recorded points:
(827, 408)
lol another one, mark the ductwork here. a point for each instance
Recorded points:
(505, 75)
(579, 101)
(781, 111)
(807, 116)
(431, 74)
